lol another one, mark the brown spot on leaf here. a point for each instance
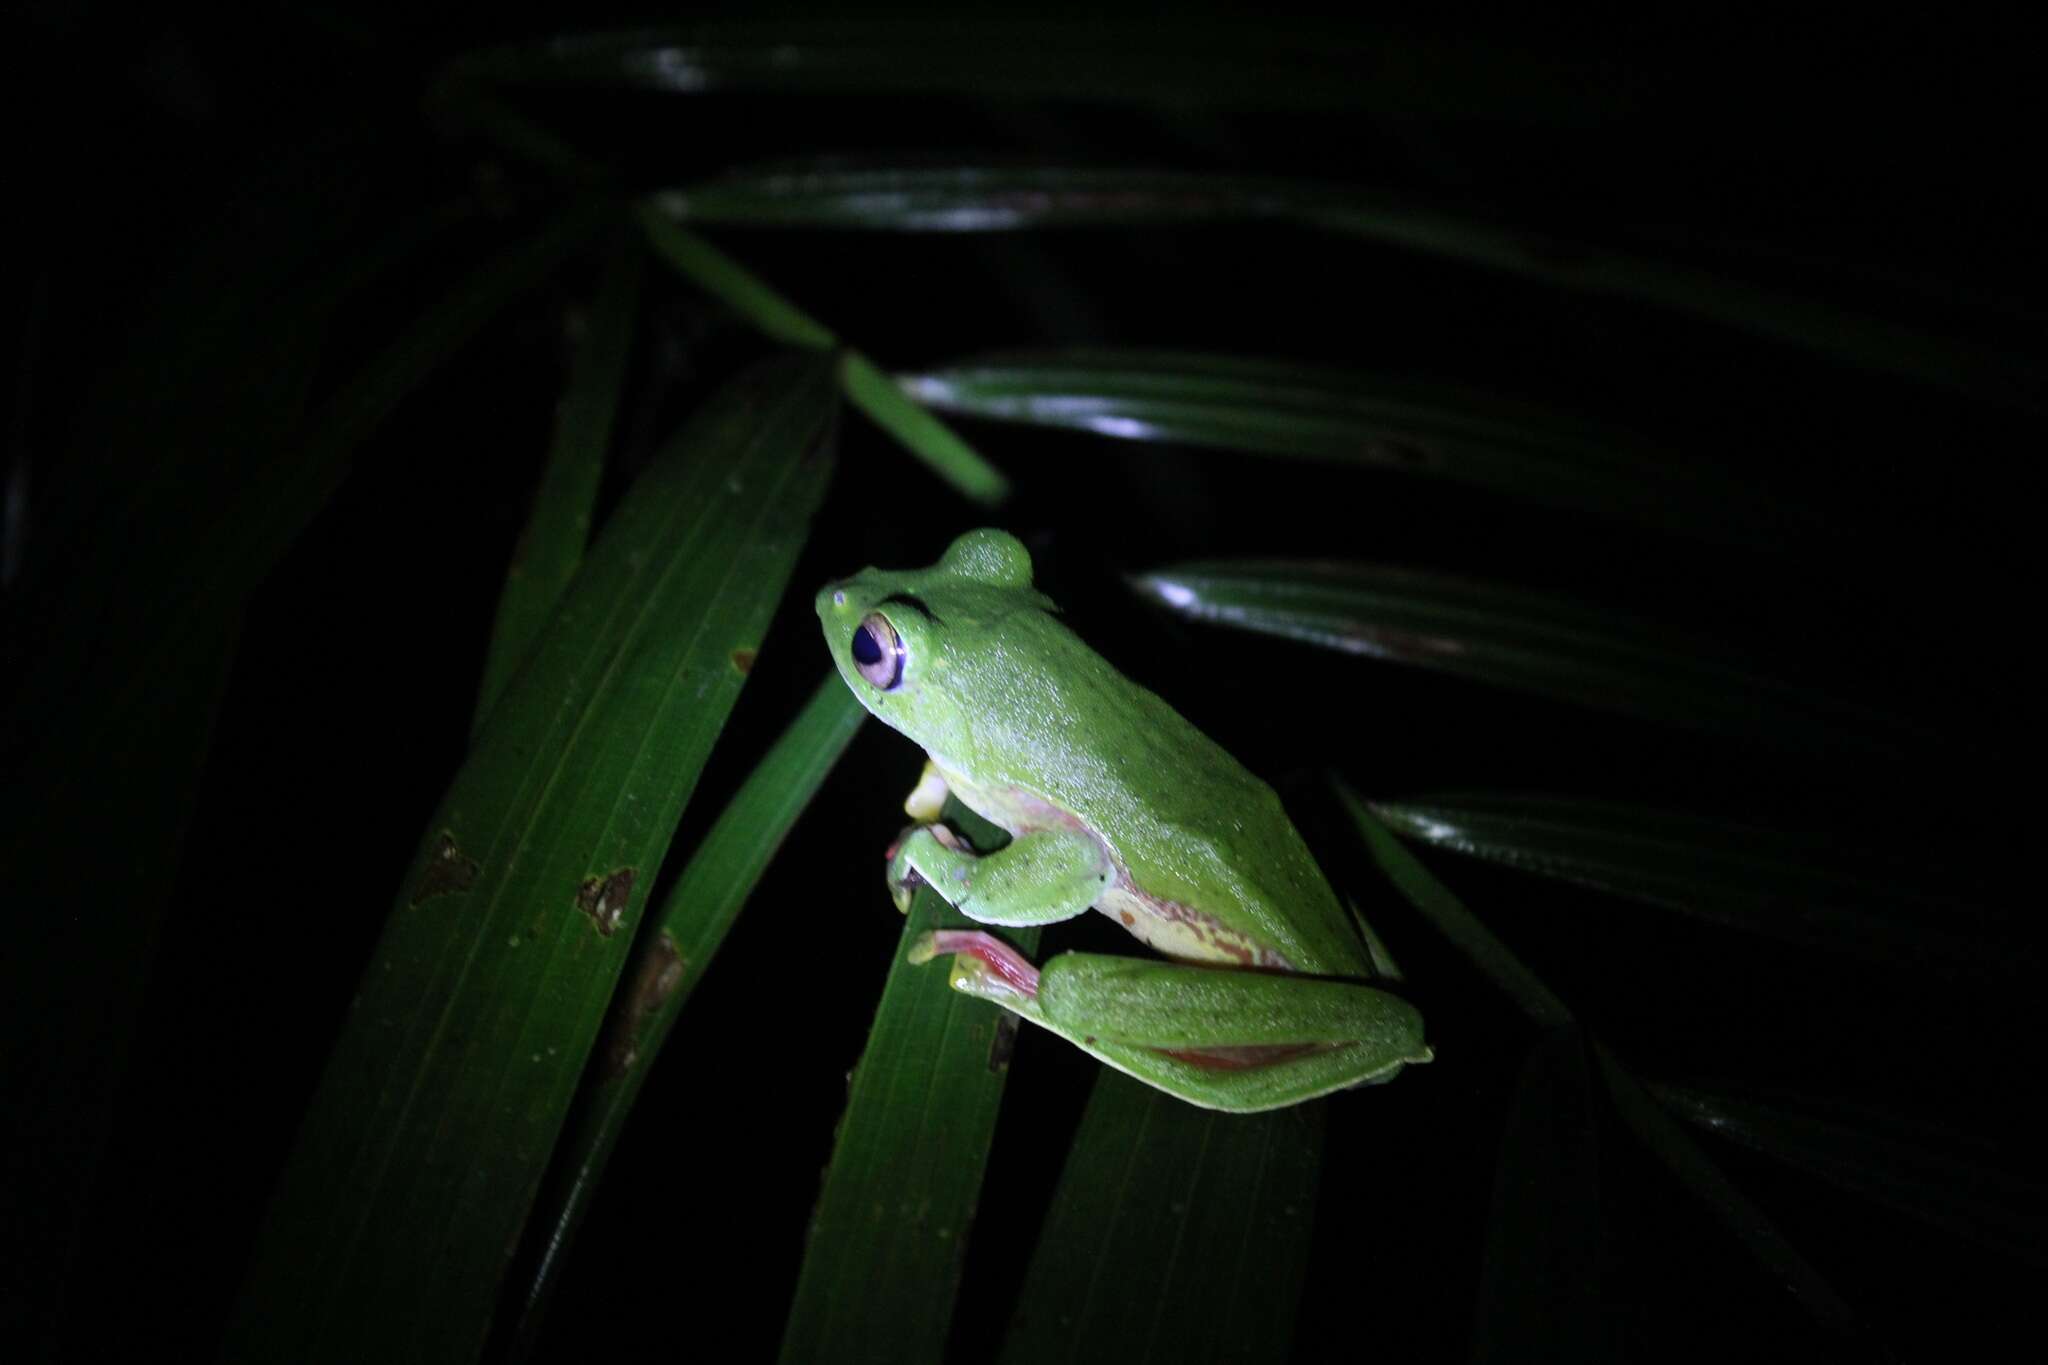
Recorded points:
(655, 978)
(448, 870)
(1127, 917)
(743, 660)
(604, 898)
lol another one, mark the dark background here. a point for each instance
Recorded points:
(1883, 169)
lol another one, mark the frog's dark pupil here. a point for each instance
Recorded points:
(867, 649)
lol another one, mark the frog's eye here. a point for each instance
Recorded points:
(878, 651)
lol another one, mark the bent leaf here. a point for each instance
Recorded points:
(865, 386)
(397, 1212)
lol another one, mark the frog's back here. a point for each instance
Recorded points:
(1211, 859)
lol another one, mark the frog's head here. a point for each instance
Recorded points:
(914, 644)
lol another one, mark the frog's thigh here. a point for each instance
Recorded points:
(1035, 879)
(1251, 1089)
(1172, 1005)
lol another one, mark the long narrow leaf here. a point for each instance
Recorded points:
(1976, 1199)
(1734, 1210)
(1194, 63)
(394, 1220)
(1448, 915)
(693, 922)
(865, 386)
(1664, 1139)
(1276, 408)
(1507, 637)
(985, 198)
(1746, 878)
(887, 1239)
(558, 525)
(1176, 1234)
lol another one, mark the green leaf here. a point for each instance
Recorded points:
(392, 1225)
(1351, 417)
(1741, 876)
(887, 1238)
(719, 275)
(1849, 336)
(1729, 1206)
(1448, 915)
(558, 525)
(1195, 63)
(920, 433)
(1889, 1164)
(666, 968)
(1163, 1205)
(865, 386)
(1678, 1153)
(999, 198)
(1508, 637)
(988, 198)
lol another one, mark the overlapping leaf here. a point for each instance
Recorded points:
(693, 921)
(398, 1210)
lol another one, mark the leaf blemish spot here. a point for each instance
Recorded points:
(743, 660)
(448, 871)
(604, 898)
(659, 972)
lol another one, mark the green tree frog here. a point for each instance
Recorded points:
(1113, 802)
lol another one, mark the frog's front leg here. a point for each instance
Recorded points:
(1036, 878)
(1223, 1039)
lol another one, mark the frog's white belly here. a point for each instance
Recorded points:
(1170, 928)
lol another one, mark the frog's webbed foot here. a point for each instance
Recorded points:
(904, 877)
(1037, 878)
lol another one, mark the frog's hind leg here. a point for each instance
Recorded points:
(1236, 1041)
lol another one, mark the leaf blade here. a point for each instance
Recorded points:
(887, 1238)
(424, 1145)
(694, 918)
(558, 524)
(1161, 1205)
(1734, 875)
(1512, 638)
(1311, 412)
